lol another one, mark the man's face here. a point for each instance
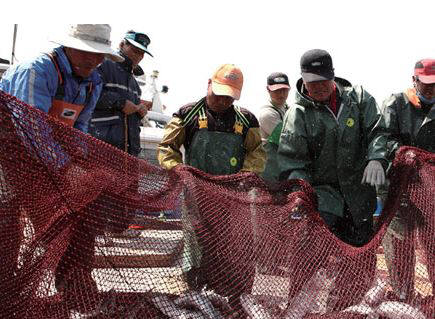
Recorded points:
(218, 103)
(83, 63)
(320, 91)
(279, 97)
(134, 54)
(427, 90)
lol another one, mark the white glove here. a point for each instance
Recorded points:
(374, 174)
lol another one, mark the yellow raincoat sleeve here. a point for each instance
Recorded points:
(168, 152)
(255, 158)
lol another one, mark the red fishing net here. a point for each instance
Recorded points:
(87, 231)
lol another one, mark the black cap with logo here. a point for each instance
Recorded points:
(316, 65)
(277, 80)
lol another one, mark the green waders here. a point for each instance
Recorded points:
(216, 153)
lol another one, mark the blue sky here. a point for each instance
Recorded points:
(373, 43)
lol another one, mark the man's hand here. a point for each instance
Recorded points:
(144, 107)
(147, 104)
(130, 107)
(374, 174)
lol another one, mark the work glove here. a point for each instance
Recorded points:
(374, 174)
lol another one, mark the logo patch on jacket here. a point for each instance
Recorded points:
(68, 113)
(233, 161)
(350, 122)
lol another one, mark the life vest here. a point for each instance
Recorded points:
(60, 109)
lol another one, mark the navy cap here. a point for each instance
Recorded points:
(277, 80)
(316, 65)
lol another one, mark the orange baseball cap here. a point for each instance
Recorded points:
(228, 81)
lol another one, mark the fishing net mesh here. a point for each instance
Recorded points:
(87, 231)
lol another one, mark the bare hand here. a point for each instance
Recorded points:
(142, 112)
(144, 107)
(147, 104)
(130, 107)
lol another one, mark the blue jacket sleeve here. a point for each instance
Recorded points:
(34, 83)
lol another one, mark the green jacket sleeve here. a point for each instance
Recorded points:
(389, 112)
(293, 154)
(374, 128)
(276, 134)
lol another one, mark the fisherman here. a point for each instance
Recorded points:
(119, 111)
(65, 84)
(331, 138)
(219, 138)
(270, 118)
(273, 112)
(410, 120)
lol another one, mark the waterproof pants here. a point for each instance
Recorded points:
(400, 243)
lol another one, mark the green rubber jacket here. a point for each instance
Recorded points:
(409, 122)
(331, 152)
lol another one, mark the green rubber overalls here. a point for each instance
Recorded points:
(216, 153)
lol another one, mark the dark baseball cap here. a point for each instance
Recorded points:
(277, 80)
(139, 40)
(316, 65)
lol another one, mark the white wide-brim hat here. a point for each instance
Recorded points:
(90, 38)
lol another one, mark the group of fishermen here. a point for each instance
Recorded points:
(334, 135)
(87, 85)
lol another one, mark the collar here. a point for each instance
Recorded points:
(64, 64)
(283, 106)
(334, 99)
(127, 64)
(411, 94)
(218, 114)
(65, 68)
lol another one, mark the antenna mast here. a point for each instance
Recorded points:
(13, 43)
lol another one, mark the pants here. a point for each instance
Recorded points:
(99, 216)
(399, 246)
(347, 230)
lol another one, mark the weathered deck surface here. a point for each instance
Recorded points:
(163, 247)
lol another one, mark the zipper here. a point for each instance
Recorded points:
(332, 113)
